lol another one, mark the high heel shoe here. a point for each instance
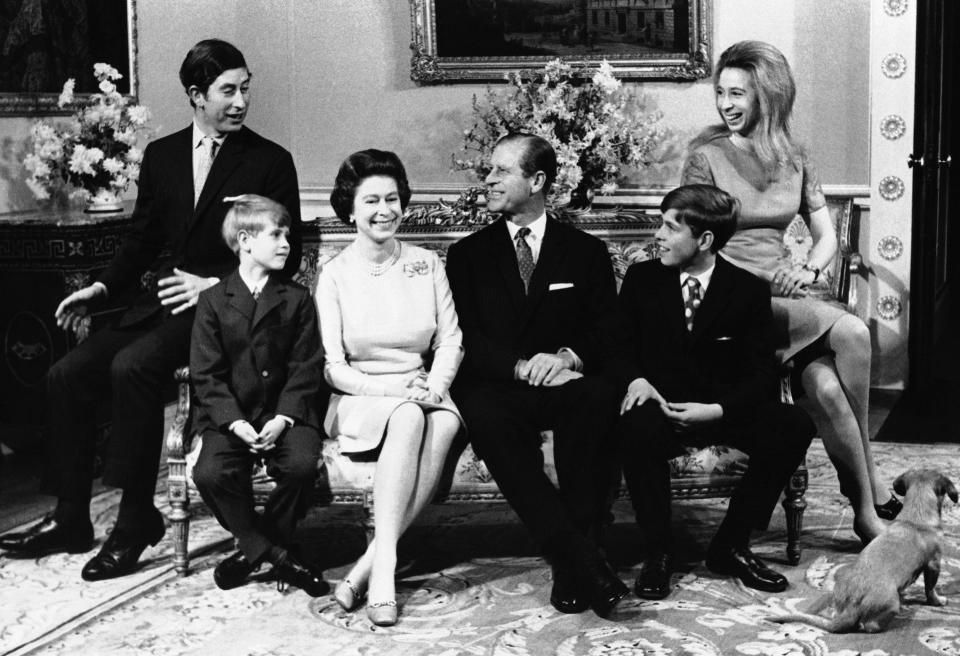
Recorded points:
(890, 509)
(383, 613)
(347, 595)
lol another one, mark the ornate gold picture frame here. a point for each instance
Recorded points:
(43, 44)
(480, 40)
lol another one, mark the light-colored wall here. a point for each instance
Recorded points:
(333, 77)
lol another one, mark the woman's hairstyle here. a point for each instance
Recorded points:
(251, 213)
(359, 166)
(537, 155)
(775, 91)
(704, 207)
(206, 61)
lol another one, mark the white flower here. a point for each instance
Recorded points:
(66, 96)
(39, 189)
(608, 188)
(113, 165)
(107, 87)
(134, 155)
(133, 171)
(36, 165)
(83, 159)
(103, 71)
(120, 182)
(138, 114)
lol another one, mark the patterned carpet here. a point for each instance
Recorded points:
(471, 583)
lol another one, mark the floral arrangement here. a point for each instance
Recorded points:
(97, 151)
(595, 126)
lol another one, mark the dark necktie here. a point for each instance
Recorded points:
(691, 300)
(524, 257)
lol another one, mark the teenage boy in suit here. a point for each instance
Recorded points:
(130, 364)
(532, 295)
(695, 356)
(256, 364)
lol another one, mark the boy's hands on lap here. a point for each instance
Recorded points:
(270, 433)
(246, 432)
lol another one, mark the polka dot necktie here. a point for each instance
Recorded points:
(691, 300)
(524, 257)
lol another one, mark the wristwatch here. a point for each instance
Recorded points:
(816, 271)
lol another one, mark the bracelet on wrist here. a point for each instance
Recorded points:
(815, 270)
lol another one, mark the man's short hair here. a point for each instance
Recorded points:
(360, 166)
(251, 213)
(206, 61)
(704, 207)
(537, 155)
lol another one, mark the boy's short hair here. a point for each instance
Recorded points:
(251, 213)
(704, 207)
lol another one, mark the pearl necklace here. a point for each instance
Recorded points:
(378, 269)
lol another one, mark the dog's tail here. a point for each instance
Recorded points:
(835, 625)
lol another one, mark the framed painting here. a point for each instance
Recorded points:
(43, 43)
(480, 40)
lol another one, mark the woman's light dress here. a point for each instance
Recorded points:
(767, 208)
(376, 331)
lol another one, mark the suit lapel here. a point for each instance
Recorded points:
(270, 297)
(552, 251)
(224, 164)
(671, 302)
(718, 293)
(240, 297)
(181, 171)
(506, 256)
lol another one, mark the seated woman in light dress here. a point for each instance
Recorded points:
(393, 346)
(752, 156)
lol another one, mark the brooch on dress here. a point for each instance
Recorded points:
(418, 268)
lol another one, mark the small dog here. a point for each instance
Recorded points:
(866, 595)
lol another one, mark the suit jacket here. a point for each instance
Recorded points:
(256, 359)
(728, 357)
(572, 294)
(165, 221)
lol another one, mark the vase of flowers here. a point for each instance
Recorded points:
(96, 153)
(597, 128)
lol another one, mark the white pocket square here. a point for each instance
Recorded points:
(724, 339)
(560, 285)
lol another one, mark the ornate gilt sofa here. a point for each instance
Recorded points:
(705, 473)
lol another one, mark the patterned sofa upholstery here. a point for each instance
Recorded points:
(701, 473)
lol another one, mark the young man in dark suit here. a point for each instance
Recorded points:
(257, 369)
(532, 295)
(696, 358)
(179, 212)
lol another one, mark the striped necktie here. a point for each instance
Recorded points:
(208, 151)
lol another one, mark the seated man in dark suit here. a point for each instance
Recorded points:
(531, 294)
(183, 179)
(697, 362)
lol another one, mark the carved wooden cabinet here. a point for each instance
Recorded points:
(44, 255)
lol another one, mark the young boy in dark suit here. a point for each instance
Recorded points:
(256, 363)
(696, 363)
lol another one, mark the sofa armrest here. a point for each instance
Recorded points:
(178, 440)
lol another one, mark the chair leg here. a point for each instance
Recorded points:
(794, 504)
(179, 513)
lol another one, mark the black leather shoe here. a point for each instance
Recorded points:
(565, 595)
(232, 571)
(291, 570)
(605, 589)
(742, 563)
(653, 582)
(49, 536)
(119, 554)
(890, 509)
